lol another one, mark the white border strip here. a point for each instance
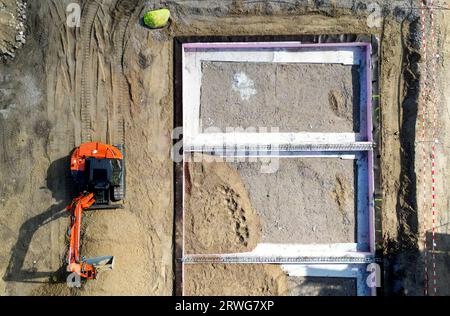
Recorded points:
(192, 81)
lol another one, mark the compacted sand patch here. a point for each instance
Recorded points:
(234, 280)
(218, 215)
(292, 97)
(306, 201)
(319, 286)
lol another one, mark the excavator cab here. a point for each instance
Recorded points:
(100, 169)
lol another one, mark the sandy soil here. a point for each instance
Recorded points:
(235, 280)
(12, 27)
(443, 240)
(306, 201)
(316, 286)
(292, 97)
(129, 82)
(225, 203)
(218, 214)
(66, 109)
(405, 229)
(442, 115)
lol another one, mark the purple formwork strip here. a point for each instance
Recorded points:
(370, 157)
(257, 45)
(368, 48)
(370, 153)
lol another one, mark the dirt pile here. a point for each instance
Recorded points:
(111, 234)
(219, 217)
(342, 196)
(339, 104)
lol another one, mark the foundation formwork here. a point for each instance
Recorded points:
(218, 122)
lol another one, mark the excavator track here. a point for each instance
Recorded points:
(119, 192)
(124, 11)
(86, 93)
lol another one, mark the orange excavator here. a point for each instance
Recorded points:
(99, 172)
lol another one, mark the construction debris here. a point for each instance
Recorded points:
(13, 19)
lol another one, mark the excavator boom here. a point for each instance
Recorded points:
(76, 208)
(86, 269)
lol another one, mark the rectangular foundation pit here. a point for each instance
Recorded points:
(272, 279)
(277, 166)
(291, 97)
(303, 200)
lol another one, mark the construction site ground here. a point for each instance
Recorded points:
(239, 204)
(292, 97)
(111, 80)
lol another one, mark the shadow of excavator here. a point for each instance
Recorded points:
(60, 184)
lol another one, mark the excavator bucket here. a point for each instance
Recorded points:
(102, 263)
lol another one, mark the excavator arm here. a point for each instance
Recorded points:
(86, 269)
(76, 208)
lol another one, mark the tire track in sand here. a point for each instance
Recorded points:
(123, 13)
(89, 14)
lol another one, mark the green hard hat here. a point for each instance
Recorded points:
(156, 18)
